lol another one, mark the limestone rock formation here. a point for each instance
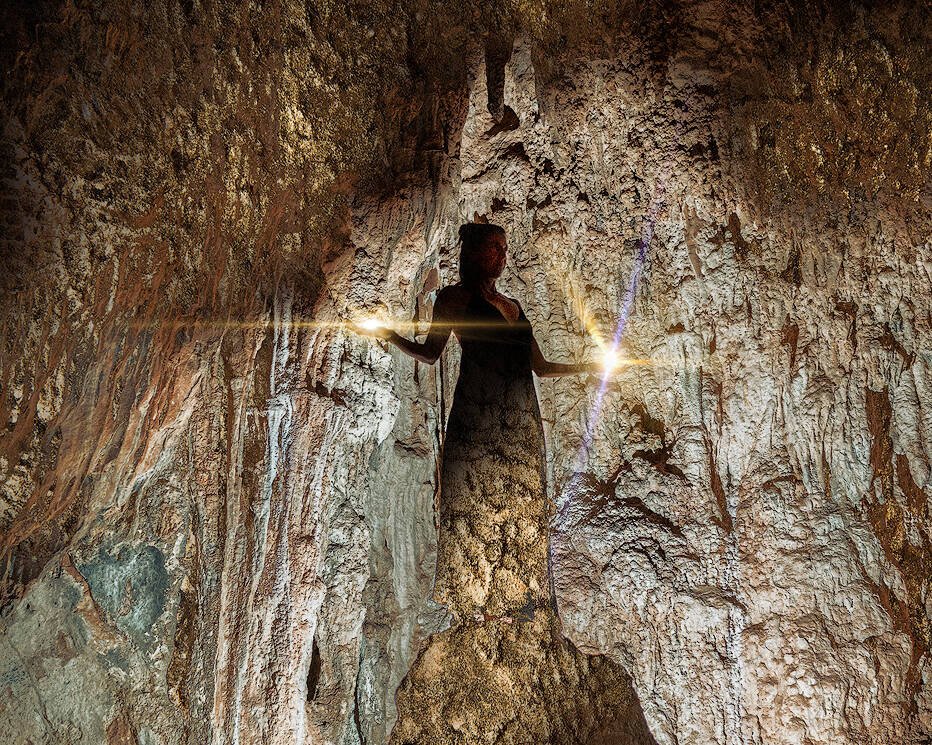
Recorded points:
(518, 682)
(217, 503)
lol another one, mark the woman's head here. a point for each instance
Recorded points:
(482, 255)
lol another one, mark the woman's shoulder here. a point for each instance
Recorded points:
(457, 294)
(451, 299)
(453, 293)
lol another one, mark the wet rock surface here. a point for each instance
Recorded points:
(217, 518)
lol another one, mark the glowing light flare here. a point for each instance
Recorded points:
(610, 359)
(647, 234)
(610, 355)
(578, 303)
(367, 323)
(371, 324)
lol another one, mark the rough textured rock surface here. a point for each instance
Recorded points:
(515, 683)
(217, 519)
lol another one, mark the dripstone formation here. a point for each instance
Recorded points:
(219, 506)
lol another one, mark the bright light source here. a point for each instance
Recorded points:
(610, 359)
(371, 324)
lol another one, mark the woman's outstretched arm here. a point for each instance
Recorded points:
(440, 327)
(545, 369)
(427, 351)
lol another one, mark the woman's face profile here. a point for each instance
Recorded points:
(493, 255)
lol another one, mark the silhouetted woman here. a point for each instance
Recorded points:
(516, 682)
(492, 547)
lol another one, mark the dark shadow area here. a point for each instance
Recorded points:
(313, 673)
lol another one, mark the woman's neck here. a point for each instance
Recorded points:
(487, 287)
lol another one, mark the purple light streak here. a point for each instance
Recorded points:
(647, 233)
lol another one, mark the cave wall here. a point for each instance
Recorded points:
(218, 518)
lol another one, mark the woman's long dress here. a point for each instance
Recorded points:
(492, 547)
(496, 682)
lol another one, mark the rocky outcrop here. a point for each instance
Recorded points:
(217, 503)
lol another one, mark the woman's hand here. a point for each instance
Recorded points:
(546, 369)
(447, 306)
(374, 327)
(377, 330)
